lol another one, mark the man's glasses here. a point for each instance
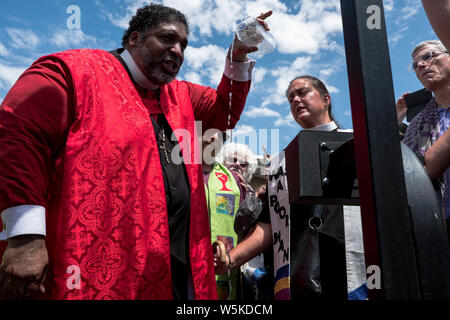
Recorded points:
(426, 57)
(242, 163)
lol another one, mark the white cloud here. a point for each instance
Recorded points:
(193, 77)
(120, 19)
(206, 62)
(302, 65)
(307, 28)
(9, 75)
(259, 74)
(388, 5)
(255, 112)
(294, 34)
(410, 11)
(3, 51)
(65, 38)
(284, 75)
(23, 39)
(242, 130)
(402, 20)
(407, 11)
(332, 89)
(326, 72)
(398, 35)
(286, 121)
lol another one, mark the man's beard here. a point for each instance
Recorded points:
(152, 68)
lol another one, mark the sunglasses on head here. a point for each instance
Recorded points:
(242, 163)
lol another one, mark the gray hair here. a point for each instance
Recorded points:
(230, 149)
(433, 43)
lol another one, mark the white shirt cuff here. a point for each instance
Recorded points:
(21, 220)
(239, 71)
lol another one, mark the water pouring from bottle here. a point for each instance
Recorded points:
(252, 33)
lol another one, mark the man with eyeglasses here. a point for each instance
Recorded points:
(431, 63)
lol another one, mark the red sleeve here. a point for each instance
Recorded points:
(213, 106)
(34, 122)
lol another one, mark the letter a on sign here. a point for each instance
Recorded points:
(74, 21)
(374, 281)
(374, 21)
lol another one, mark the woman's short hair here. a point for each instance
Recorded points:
(230, 149)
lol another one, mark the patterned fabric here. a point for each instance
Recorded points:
(444, 118)
(107, 213)
(423, 131)
(223, 199)
(444, 123)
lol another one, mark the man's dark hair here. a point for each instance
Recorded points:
(151, 16)
(320, 87)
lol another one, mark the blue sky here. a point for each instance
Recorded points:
(308, 34)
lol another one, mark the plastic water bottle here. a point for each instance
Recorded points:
(251, 33)
(254, 269)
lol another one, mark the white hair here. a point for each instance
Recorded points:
(230, 149)
(437, 44)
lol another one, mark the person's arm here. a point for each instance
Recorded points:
(437, 157)
(35, 117)
(34, 121)
(438, 12)
(212, 107)
(401, 108)
(258, 240)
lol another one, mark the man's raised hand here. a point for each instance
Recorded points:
(240, 50)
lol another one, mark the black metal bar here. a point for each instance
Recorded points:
(387, 227)
(432, 249)
(308, 165)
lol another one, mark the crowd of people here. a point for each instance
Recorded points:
(89, 179)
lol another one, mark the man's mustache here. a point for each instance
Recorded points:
(173, 58)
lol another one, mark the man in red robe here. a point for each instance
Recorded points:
(93, 203)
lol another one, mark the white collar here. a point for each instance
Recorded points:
(136, 72)
(330, 126)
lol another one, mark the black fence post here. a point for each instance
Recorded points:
(387, 227)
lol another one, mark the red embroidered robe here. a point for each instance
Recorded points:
(106, 210)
